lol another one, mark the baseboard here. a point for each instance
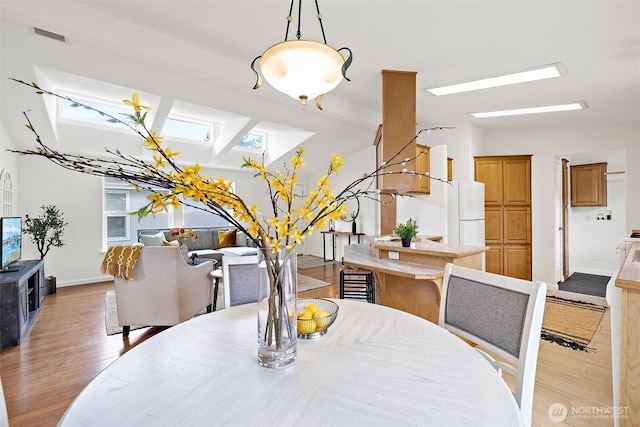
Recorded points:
(86, 281)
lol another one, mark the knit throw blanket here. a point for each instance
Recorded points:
(120, 260)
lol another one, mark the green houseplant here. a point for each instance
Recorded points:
(46, 231)
(406, 232)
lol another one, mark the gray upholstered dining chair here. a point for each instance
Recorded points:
(502, 315)
(240, 279)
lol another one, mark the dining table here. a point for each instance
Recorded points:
(375, 366)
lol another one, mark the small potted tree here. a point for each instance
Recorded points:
(406, 232)
(46, 231)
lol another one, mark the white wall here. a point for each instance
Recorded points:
(429, 210)
(9, 163)
(354, 167)
(546, 145)
(592, 242)
(79, 198)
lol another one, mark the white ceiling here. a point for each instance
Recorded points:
(199, 52)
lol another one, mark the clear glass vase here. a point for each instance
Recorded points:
(277, 295)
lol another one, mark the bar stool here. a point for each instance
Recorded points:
(357, 283)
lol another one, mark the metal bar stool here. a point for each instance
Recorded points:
(357, 283)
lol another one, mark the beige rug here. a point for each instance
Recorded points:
(112, 327)
(310, 261)
(571, 323)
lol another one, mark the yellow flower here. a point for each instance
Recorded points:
(135, 103)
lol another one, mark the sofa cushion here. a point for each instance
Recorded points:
(239, 251)
(152, 239)
(226, 238)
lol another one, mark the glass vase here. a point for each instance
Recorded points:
(277, 295)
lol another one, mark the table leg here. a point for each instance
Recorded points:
(333, 247)
(324, 249)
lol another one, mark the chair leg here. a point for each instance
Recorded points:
(215, 293)
(125, 331)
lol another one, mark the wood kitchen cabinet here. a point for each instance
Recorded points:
(589, 185)
(423, 166)
(508, 232)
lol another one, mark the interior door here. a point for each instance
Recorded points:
(565, 218)
(561, 220)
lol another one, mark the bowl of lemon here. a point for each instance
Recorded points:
(315, 315)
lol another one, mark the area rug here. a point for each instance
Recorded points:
(571, 323)
(112, 327)
(310, 261)
(589, 284)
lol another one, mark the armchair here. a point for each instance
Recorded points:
(165, 290)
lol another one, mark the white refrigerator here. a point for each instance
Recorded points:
(466, 213)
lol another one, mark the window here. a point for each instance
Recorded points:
(73, 111)
(116, 208)
(185, 129)
(120, 226)
(7, 193)
(252, 142)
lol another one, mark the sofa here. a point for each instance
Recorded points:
(211, 243)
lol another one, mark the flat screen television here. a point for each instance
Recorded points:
(11, 250)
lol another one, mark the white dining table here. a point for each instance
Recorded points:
(375, 366)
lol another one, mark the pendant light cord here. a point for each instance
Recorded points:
(299, 32)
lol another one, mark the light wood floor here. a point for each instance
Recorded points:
(67, 347)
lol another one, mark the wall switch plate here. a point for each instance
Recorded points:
(394, 255)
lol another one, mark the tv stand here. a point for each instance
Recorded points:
(9, 270)
(21, 297)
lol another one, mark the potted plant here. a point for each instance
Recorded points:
(406, 232)
(46, 231)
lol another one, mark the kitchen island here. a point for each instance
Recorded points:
(410, 279)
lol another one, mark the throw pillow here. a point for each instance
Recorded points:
(226, 238)
(171, 243)
(152, 239)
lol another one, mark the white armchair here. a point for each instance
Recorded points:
(165, 290)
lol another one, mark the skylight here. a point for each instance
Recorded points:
(74, 111)
(252, 142)
(186, 129)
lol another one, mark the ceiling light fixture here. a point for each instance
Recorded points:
(303, 69)
(539, 73)
(533, 110)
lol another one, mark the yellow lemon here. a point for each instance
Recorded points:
(322, 319)
(306, 326)
(314, 308)
(305, 314)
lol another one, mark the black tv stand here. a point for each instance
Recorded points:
(21, 297)
(9, 270)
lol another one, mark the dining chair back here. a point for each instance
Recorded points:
(502, 315)
(240, 278)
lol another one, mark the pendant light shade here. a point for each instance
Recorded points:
(303, 69)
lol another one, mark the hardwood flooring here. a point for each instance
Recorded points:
(67, 347)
